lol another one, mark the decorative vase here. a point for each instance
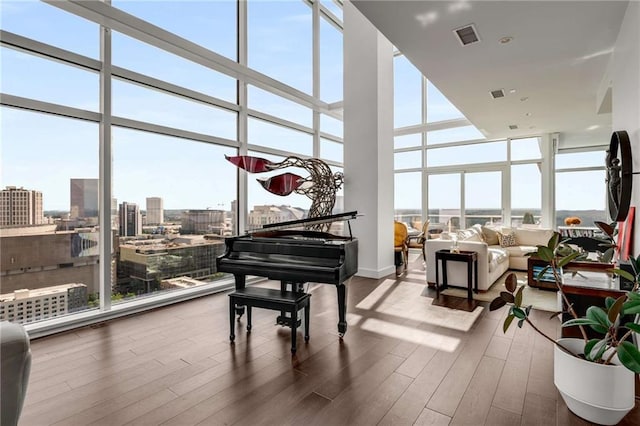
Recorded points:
(601, 394)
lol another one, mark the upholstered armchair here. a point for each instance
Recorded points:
(400, 245)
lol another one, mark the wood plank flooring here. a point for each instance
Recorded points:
(175, 366)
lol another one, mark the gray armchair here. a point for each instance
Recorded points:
(15, 355)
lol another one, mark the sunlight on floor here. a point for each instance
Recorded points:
(411, 334)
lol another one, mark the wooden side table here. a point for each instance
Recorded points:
(469, 257)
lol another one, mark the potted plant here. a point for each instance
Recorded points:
(595, 376)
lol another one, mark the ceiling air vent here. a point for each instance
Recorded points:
(513, 126)
(467, 34)
(495, 94)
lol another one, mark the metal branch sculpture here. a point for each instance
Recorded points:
(320, 186)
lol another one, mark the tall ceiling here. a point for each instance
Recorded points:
(553, 71)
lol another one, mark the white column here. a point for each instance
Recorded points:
(548, 146)
(368, 141)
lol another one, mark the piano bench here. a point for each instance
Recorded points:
(267, 298)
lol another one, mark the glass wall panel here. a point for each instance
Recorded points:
(467, 154)
(331, 125)
(445, 200)
(274, 136)
(278, 106)
(407, 141)
(525, 149)
(408, 199)
(526, 193)
(196, 188)
(333, 7)
(330, 150)
(482, 198)
(331, 68)
(455, 134)
(37, 78)
(42, 22)
(153, 106)
(49, 203)
(572, 160)
(581, 194)
(211, 24)
(407, 93)
(438, 106)
(265, 207)
(145, 59)
(407, 160)
(279, 41)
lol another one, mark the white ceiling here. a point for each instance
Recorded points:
(557, 60)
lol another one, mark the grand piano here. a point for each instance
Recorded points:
(294, 257)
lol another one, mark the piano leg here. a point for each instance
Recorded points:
(232, 323)
(342, 309)
(240, 284)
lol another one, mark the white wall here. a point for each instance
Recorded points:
(368, 141)
(626, 97)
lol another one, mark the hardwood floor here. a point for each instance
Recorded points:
(398, 364)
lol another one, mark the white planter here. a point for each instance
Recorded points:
(602, 394)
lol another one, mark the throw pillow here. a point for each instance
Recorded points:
(490, 236)
(507, 240)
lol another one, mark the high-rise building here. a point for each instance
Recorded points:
(130, 220)
(202, 222)
(24, 306)
(264, 215)
(84, 198)
(155, 211)
(19, 206)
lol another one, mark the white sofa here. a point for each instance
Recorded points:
(493, 259)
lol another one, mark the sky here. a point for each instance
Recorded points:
(44, 152)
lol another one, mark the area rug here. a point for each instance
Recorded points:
(544, 300)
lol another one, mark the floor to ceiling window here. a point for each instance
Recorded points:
(182, 85)
(468, 179)
(580, 186)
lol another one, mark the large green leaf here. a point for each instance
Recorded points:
(633, 295)
(553, 241)
(579, 321)
(597, 314)
(608, 302)
(565, 260)
(594, 349)
(624, 274)
(545, 253)
(607, 256)
(633, 326)
(542, 272)
(507, 323)
(519, 313)
(629, 356)
(518, 298)
(632, 307)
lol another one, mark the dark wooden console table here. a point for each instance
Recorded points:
(535, 264)
(584, 289)
(469, 257)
